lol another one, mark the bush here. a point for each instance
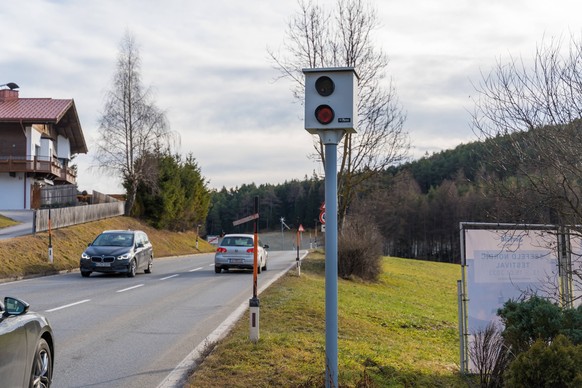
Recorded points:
(530, 320)
(359, 249)
(538, 318)
(490, 356)
(572, 325)
(556, 365)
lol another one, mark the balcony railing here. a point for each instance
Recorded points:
(51, 168)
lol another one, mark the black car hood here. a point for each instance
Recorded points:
(106, 250)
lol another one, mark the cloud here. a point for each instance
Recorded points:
(208, 65)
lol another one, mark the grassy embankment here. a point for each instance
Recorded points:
(28, 255)
(4, 222)
(399, 332)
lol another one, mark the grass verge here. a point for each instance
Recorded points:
(400, 331)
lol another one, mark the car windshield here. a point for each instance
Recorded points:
(114, 240)
(237, 241)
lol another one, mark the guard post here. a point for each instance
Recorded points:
(331, 100)
(254, 301)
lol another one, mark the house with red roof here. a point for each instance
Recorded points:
(38, 139)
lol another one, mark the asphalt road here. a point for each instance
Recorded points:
(114, 331)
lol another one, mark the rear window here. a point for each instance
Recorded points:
(237, 242)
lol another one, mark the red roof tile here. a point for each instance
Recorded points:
(38, 110)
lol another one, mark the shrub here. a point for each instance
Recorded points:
(490, 356)
(530, 320)
(572, 325)
(556, 365)
(359, 249)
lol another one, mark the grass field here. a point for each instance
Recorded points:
(399, 332)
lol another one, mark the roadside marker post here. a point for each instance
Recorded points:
(299, 230)
(50, 244)
(254, 301)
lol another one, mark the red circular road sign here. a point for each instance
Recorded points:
(322, 217)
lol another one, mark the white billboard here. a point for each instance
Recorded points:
(505, 264)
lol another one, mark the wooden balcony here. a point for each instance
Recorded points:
(39, 167)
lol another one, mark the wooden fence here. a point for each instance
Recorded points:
(68, 216)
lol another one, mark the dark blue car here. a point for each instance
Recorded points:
(118, 251)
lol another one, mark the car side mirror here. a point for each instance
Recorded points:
(266, 246)
(139, 245)
(13, 306)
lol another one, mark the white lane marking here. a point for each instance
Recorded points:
(67, 305)
(169, 277)
(211, 265)
(195, 269)
(130, 288)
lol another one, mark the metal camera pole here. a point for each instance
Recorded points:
(331, 96)
(331, 139)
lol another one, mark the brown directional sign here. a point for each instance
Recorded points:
(246, 219)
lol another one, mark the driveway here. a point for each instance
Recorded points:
(25, 217)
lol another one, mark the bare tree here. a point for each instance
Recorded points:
(132, 129)
(529, 113)
(343, 38)
(490, 355)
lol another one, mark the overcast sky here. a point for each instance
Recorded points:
(208, 64)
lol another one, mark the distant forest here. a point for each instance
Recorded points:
(417, 206)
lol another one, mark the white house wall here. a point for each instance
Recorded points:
(15, 193)
(33, 140)
(46, 149)
(63, 148)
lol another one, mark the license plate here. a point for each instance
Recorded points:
(102, 264)
(236, 261)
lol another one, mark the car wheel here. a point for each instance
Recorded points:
(259, 267)
(150, 265)
(217, 269)
(132, 269)
(85, 274)
(42, 367)
(265, 266)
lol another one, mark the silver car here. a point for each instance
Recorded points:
(26, 346)
(237, 251)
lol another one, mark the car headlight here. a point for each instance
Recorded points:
(85, 256)
(125, 256)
